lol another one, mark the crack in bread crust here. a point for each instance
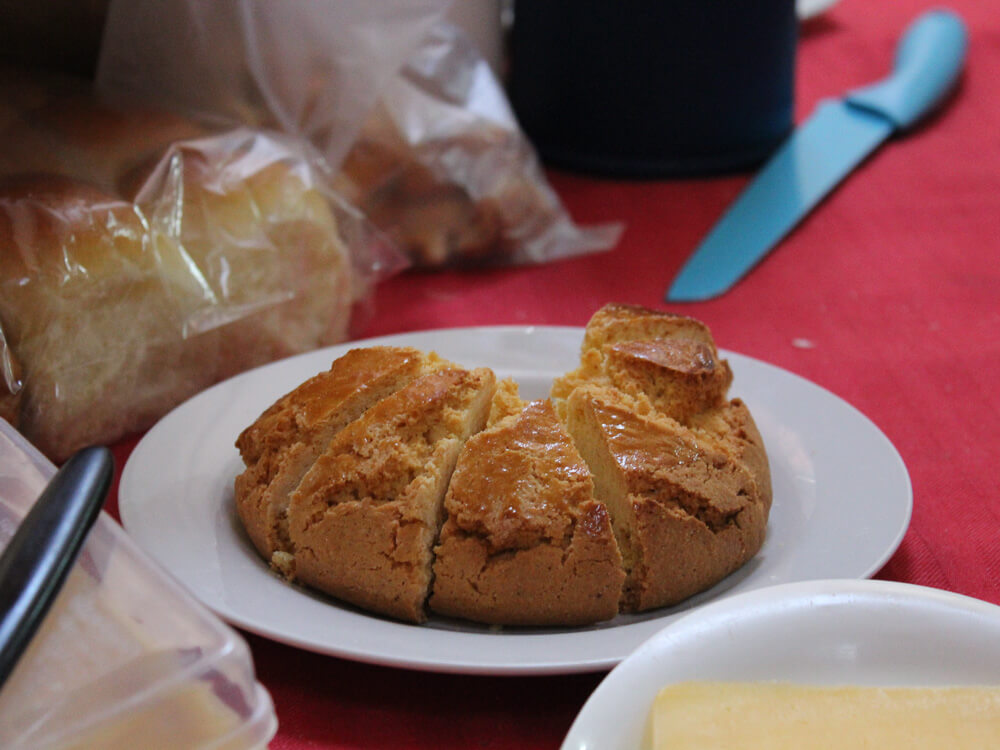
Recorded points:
(284, 442)
(364, 518)
(685, 514)
(525, 543)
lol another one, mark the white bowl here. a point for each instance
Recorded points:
(821, 632)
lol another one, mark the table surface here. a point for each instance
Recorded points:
(888, 296)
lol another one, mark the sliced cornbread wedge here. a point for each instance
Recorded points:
(364, 518)
(283, 442)
(685, 512)
(668, 363)
(525, 543)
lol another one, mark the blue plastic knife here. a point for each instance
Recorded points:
(822, 152)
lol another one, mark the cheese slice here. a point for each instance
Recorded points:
(740, 716)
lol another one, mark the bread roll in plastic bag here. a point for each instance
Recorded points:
(407, 113)
(144, 257)
(442, 166)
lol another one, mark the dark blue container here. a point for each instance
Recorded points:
(653, 88)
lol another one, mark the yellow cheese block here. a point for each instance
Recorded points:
(775, 716)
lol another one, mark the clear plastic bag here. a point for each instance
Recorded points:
(144, 258)
(311, 68)
(406, 112)
(442, 166)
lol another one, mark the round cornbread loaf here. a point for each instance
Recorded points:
(406, 484)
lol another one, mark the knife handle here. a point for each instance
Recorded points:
(42, 551)
(929, 59)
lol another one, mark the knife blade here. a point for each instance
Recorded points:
(835, 139)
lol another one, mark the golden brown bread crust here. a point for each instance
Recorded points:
(686, 514)
(617, 322)
(668, 363)
(524, 542)
(690, 505)
(364, 518)
(431, 216)
(47, 217)
(287, 438)
(414, 207)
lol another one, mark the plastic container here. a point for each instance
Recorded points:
(126, 658)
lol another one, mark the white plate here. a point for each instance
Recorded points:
(842, 502)
(820, 632)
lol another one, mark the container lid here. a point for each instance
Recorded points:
(126, 657)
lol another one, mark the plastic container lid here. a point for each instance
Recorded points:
(126, 658)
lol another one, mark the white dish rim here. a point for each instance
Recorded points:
(831, 623)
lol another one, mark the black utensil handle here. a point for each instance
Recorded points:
(41, 553)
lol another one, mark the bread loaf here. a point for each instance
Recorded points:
(143, 259)
(634, 486)
(282, 445)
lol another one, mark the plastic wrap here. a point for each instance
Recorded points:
(442, 167)
(312, 68)
(405, 110)
(144, 257)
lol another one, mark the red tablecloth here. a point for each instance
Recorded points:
(894, 281)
